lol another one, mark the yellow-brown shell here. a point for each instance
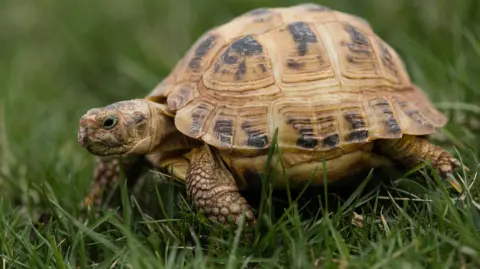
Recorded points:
(320, 76)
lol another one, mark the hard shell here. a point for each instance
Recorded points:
(322, 77)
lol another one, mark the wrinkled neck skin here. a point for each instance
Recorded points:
(170, 142)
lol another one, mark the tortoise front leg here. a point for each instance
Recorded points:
(213, 189)
(106, 176)
(414, 150)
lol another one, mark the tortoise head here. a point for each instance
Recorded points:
(130, 127)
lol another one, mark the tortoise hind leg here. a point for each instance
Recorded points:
(414, 150)
(213, 189)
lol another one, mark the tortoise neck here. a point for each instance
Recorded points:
(166, 137)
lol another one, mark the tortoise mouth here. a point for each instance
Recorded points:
(102, 148)
(99, 147)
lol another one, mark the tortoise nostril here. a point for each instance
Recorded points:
(83, 137)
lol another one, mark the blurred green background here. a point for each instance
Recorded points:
(60, 58)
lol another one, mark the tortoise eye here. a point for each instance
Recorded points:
(109, 122)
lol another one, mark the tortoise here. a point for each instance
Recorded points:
(331, 90)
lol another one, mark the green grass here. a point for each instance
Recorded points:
(60, 58)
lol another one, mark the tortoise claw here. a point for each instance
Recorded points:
(446, 171)
(457, 164)
(454, 182)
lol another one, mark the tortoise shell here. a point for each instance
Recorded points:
(322, 77)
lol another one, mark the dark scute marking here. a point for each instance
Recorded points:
(355, 35)
(360, 43)
(306, 141)
(198, 116)
(185, 93)
(389, 121)
(302, 34)
(217, 67)
(201, 50)
(256, 138)
(223, 130)
(258, 11)
(357, 127)
(307, 137)
(380, 103)
(355, 136)
(242, 69)
(355, 120)
(387, 58)
(331, 141)
(392, 125)
(179, 99)
(295, 64)
(262, 67)
(246, 46)
(414, 114)
(327, 123)
(229, 59)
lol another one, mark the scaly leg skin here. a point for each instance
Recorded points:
(106, 177)
(105, 174)
(214, 191)
(414, 150)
